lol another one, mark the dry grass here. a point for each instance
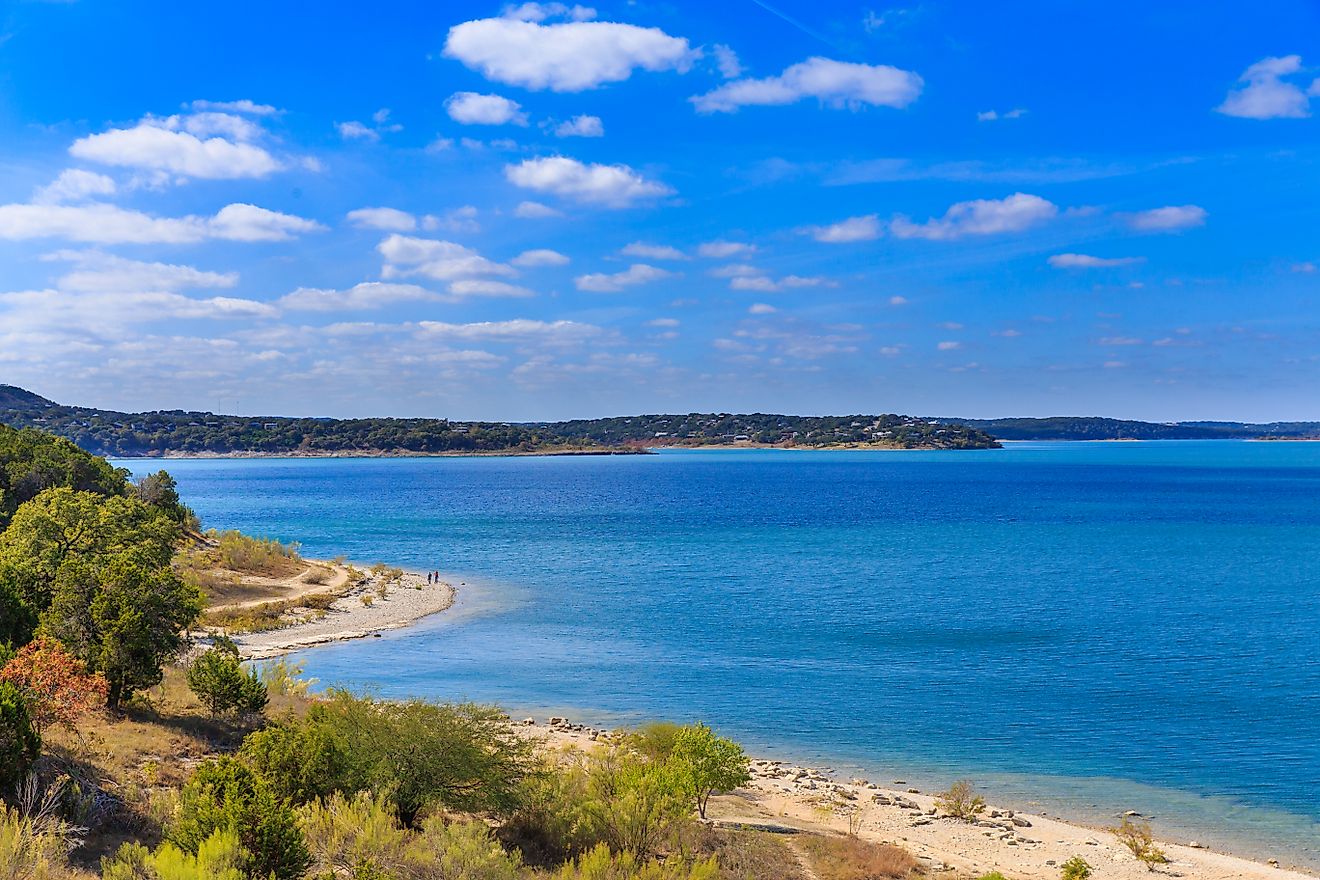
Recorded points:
(851, 858)
(269, 615)
(744, 855)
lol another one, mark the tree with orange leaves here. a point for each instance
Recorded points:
(54, 683)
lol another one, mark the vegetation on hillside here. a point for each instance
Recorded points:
(176, 432)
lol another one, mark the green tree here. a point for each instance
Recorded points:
(123, 616)
(20, 745)
(225, 795)
(218, 680)
(304, 762)
(632, 804)
(162, 492)
(708, 763)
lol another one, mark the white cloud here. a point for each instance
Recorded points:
(1086, 261)
(543, 11)
(1304, 268)
(992, 115)
(516, 330)
(242, 106)
(1171, 218)
(441, 260)
(834, 83)
(949, 345)
(663, 322)
(722, 250)
(898, 300)
(98, 272)
(535, 211)
(761, 309)
(462, 219)
(388, 219)
(565, 57)
(980, 217)
(102, 314)
(652, 251)
(469, 287)
(356, 131)
(865, 228)
(727, 61)
(242, 222)
(471, 108)
(74, 185)
(1265, 95)
(151, 146)
(368, 295)
(735, 270)
(614, 186)
(581, 126)
(769, 285)
(208, 124)
(637, 273)
(540, 257)
(107, 224)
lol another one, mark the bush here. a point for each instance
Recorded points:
(219, 857)
(1076, 868)
(54, 683)
(283, 678)
(27, 851)
(632, 804)
(656, 739)
(601, 864)
(224, 795)
(851, 858)
(708, 763)
(961, 801)
(241, 552)
(218, 680)
(300, 761)
(20, 744)
(1140, 841)
(993, 875)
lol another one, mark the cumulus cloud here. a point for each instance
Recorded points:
(441, 260)
(98, 272)
(570, 56)
(387, 219)
(159, 145)
(359, 297)
(242, 222)
(979, 217)
(487, 287)
(652, 251)
(356, 131)
(471, 108)
(993, 115)
(98, 223)
(241, 106)
(865, 228)
(540, 257)
(761, 309)
(637, 273)
(769, 285)
(1262, 92)
(949, 345)
(722, 250)
(1086, 261)
(834, 83)
(734, 270)
(98, 314)
(516, 330)
(74, 185)
(462, 219)
(535, 211)
(544, 11)
(613, 186)
(727, 61)
(1171, 218)
(581, 126)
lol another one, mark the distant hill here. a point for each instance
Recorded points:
(176, 432)
(1094, 428)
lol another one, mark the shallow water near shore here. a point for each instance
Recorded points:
(1081, 628)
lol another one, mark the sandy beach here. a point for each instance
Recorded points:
(789, 799)
(371, 606)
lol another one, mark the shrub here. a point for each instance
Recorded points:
(708, 763)
(656, 739)
(20, 744)
(1139, 840)
(851, 858)
(1076, 868)
(301, 762)
(353, 837)
(224, 795)
(283, 678)
(28, 852)
(993, 875)
(632, 804)
(601, 864)
(458, 849)
(219, 857)
(54, 683)
(241, 552)
(218, 680)
(961, 801)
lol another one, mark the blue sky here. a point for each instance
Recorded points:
(547, 211)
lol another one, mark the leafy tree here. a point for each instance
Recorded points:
(123, 617)
(162, 492)
(708, 763)
(20, 744)
(18, 619)
(961, 801)
(33, 461)
(219, 857)
(218, 680)
(225, 795)
(304, 762)
(1139, 840)
(55, 684)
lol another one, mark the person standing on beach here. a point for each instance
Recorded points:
(428, 578)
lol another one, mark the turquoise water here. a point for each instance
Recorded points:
(1081, 628)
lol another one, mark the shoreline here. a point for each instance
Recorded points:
(777, 795)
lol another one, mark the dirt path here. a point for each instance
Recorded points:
(294, 586)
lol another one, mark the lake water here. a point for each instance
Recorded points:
(1080, 628)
